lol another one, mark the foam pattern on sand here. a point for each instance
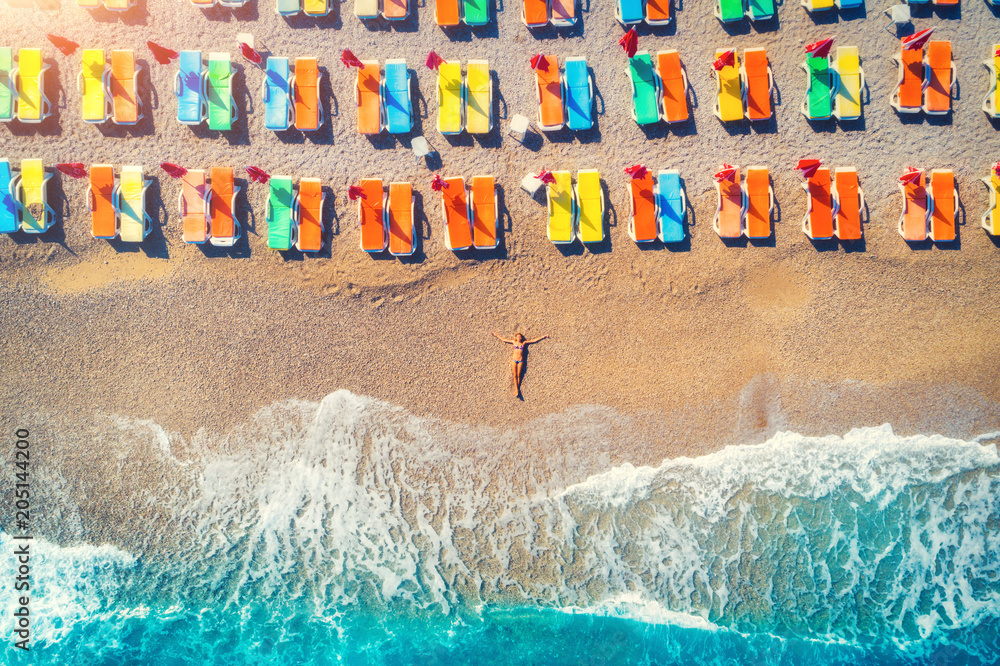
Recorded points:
(344, 524)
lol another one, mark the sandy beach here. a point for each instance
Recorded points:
(693, 347)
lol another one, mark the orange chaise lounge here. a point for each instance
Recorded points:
(850, 202)
(485, 217)
(192, 206)
(371, 217)
(103, 217)
(225, 227)
(308, 213)
(916, 209)
(759, 202)
(455, 214)
(399, 212)
(944, 202)
(368, 97)
(642, 221)
(728, 222)
(548, 89)
(821, 208)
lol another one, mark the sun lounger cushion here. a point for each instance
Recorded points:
(644, 101)
(938, 91)
(307, 109)
(730, 211)
(910, 93)
(288, 7)
(276, 97)
(279, 221)
(369, 99)
(849, 91)
(758, 188)
(670, 202)
(730, 100)
(395, 10)
(590, 200)
(550, 104)
(579, 102)
(849, 202)
(194, 192)
(8, 211)
(643, 208)
(478, 103)
(458, 227)
(92, 84)
(914, 222)
(484, 218)
(189, 103)
(89, 4)
(446, 12)
(536, 12)
(315, 7)
(221, 208)
(400, 215)
(657, 12)
(310, 215)
(818, 101)
(366, 9)
(730, 10)
(132, 204)
(220, 92)
(118, 5)
(990, 219)
(476, 12)
(563, 12)
(675, 106)
(29, 85)
(630, 11)
(820, 215)
(760, 9)
(560, 198)
(7, 95)
(758, 85)
(943, 216)
(398, 111)
(450, 98)
(123, 87)
(33, 196)
(371, 216)
(991, 105)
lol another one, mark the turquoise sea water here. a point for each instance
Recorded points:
(340, 533)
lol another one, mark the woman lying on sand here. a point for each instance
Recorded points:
(520, 353)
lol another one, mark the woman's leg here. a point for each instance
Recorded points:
(515, 373)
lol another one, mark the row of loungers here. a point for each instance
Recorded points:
(834, 88)
(470, 215)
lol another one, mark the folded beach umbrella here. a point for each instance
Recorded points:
(996, 169)
(438, 183)
(258, 175)
(354, 193)
(636, 171)
(434, 61)
(820, 49)
(250, 54)
(727, 59)
(911, 176)
(73, 169)
(173, 170)
(807, 167)
(67, 46)
(162, 54)
(350, 60)
(630, 42)
(546, 177)
(538, 61)
(727, 172)
(917, 40)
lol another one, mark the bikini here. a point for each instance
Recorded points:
(519, 348)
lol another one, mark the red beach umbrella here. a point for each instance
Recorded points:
(258, 175)
(173, 170)
(250, 54)
(74, 169)
(433, 60)
(546, 176)
(996, 169)
(438, 183)
(67, 46)
(725, 173)
(163, 55)
(911, 176)
(350, 60)
(354, 193)
(820, 49)
(629, 42)
(807, 167)
(538, 61)
(637, 171)
(917, 40)
(727, 59)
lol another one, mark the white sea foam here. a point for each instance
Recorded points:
(353, 502)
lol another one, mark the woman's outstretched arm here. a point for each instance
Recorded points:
(510, 342)
(531, 342)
